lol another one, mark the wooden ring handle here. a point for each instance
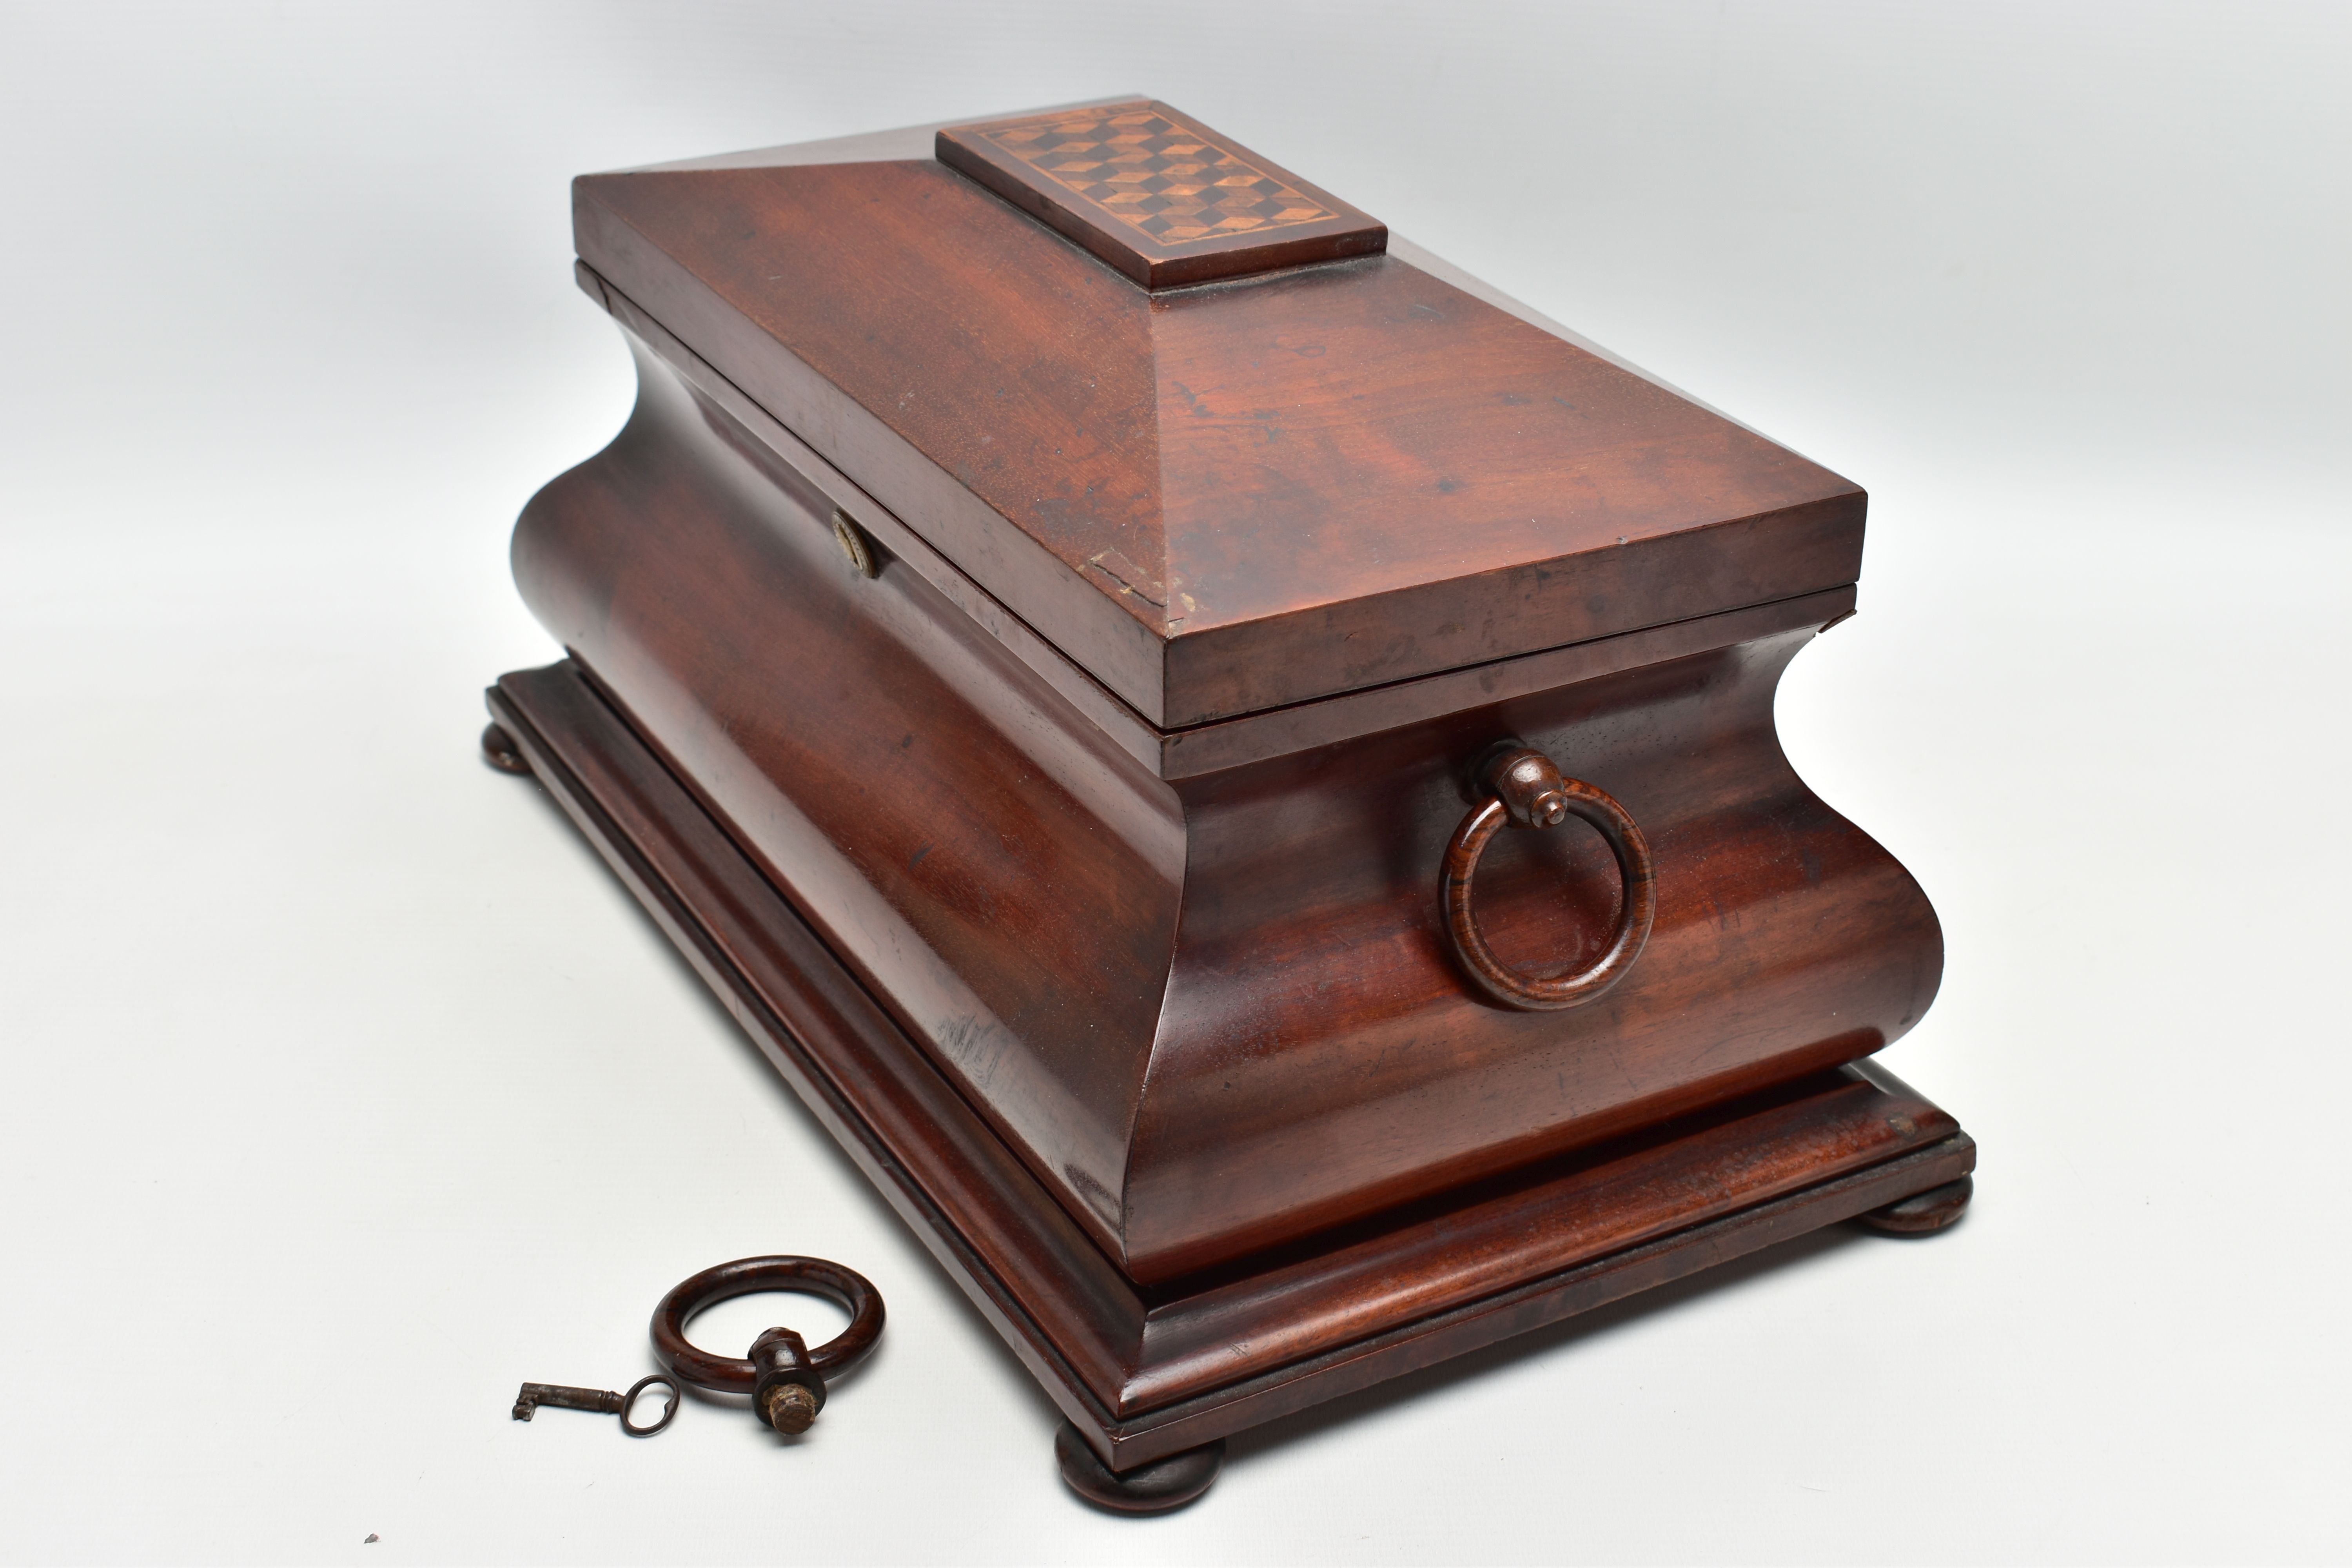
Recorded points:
(1529, 792)
(736, 1374)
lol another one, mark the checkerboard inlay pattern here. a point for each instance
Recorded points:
(1155, 174)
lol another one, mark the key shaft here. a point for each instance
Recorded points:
(535, 1394)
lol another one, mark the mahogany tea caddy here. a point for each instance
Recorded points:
(1232, 766)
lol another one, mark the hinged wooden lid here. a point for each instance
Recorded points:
(1215, 499)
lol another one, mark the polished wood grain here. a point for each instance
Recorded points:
(1249, 737)
(1160, 197)
(1146, 1373)
(1222, 500)
(1263, 944)
(1042, 705)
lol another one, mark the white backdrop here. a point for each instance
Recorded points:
(344, 1089)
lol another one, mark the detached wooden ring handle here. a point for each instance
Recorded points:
(737, 1374)
(1529, 792)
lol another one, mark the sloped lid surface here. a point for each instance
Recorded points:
(1307, 479)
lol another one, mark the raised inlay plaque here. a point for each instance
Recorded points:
(1158, 195)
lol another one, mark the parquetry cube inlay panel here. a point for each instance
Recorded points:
(1157, 194)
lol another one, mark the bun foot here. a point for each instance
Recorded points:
(1156, 1487)
(1923, 1213)
(498, 750)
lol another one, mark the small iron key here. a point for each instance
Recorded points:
(604, 1401)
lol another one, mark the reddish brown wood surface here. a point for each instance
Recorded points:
(1043, 706)
(1145, 1374)
(1157, 194)
(1250, 738)
(1260, 945)
(1220, 499)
